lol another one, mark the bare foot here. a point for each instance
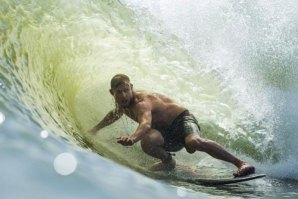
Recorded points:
(161, 166)
(244, 169)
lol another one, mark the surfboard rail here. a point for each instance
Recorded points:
(213, 182)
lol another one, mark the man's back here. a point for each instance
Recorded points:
(163, 109)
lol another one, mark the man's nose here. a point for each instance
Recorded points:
(123, 94)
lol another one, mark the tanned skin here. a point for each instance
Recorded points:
(154, 111)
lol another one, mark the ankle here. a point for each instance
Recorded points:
(239, 163)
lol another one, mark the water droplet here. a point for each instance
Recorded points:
(44, 134)
(65, 164)
(2, 118)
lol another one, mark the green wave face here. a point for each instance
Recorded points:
(57, 58)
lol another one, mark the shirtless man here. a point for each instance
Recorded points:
(164, 126)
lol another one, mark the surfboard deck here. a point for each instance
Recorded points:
(223, 181)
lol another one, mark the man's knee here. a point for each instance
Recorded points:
(194, 142)
(151, 139)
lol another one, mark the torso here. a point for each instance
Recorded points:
(163, 109)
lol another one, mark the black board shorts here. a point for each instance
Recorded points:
(174, 136)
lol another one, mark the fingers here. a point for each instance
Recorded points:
(124, 140)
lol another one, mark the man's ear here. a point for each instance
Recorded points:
(131, 86)
(111, 91)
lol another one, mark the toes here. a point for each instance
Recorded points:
(250, 170)
(243, 171)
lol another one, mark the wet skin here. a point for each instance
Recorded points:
(152, 110)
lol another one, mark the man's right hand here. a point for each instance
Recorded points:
(125, 141)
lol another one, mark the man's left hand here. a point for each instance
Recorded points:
(125, 141)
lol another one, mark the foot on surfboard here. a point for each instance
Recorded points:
(244, 169)
(161, 166)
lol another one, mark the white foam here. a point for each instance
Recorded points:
(285, 169)
(181, 192)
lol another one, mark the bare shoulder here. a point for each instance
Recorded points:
(151, 96)
(142, 99)
(140, 96)
(162, 97)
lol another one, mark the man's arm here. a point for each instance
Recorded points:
(144, 116)
(110, 118)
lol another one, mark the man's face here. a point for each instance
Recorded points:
(123, 94)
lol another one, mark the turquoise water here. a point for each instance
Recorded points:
(234, 64)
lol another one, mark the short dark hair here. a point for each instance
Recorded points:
(119, 79)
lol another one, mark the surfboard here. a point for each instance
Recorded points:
(223, 181)
(184, 173)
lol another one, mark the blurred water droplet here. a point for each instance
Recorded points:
(65, 164)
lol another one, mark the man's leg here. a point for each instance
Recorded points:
(195, 142)
(152, 144)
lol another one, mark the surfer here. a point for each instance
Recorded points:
(164, 126)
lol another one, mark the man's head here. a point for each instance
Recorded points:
(122, 90)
